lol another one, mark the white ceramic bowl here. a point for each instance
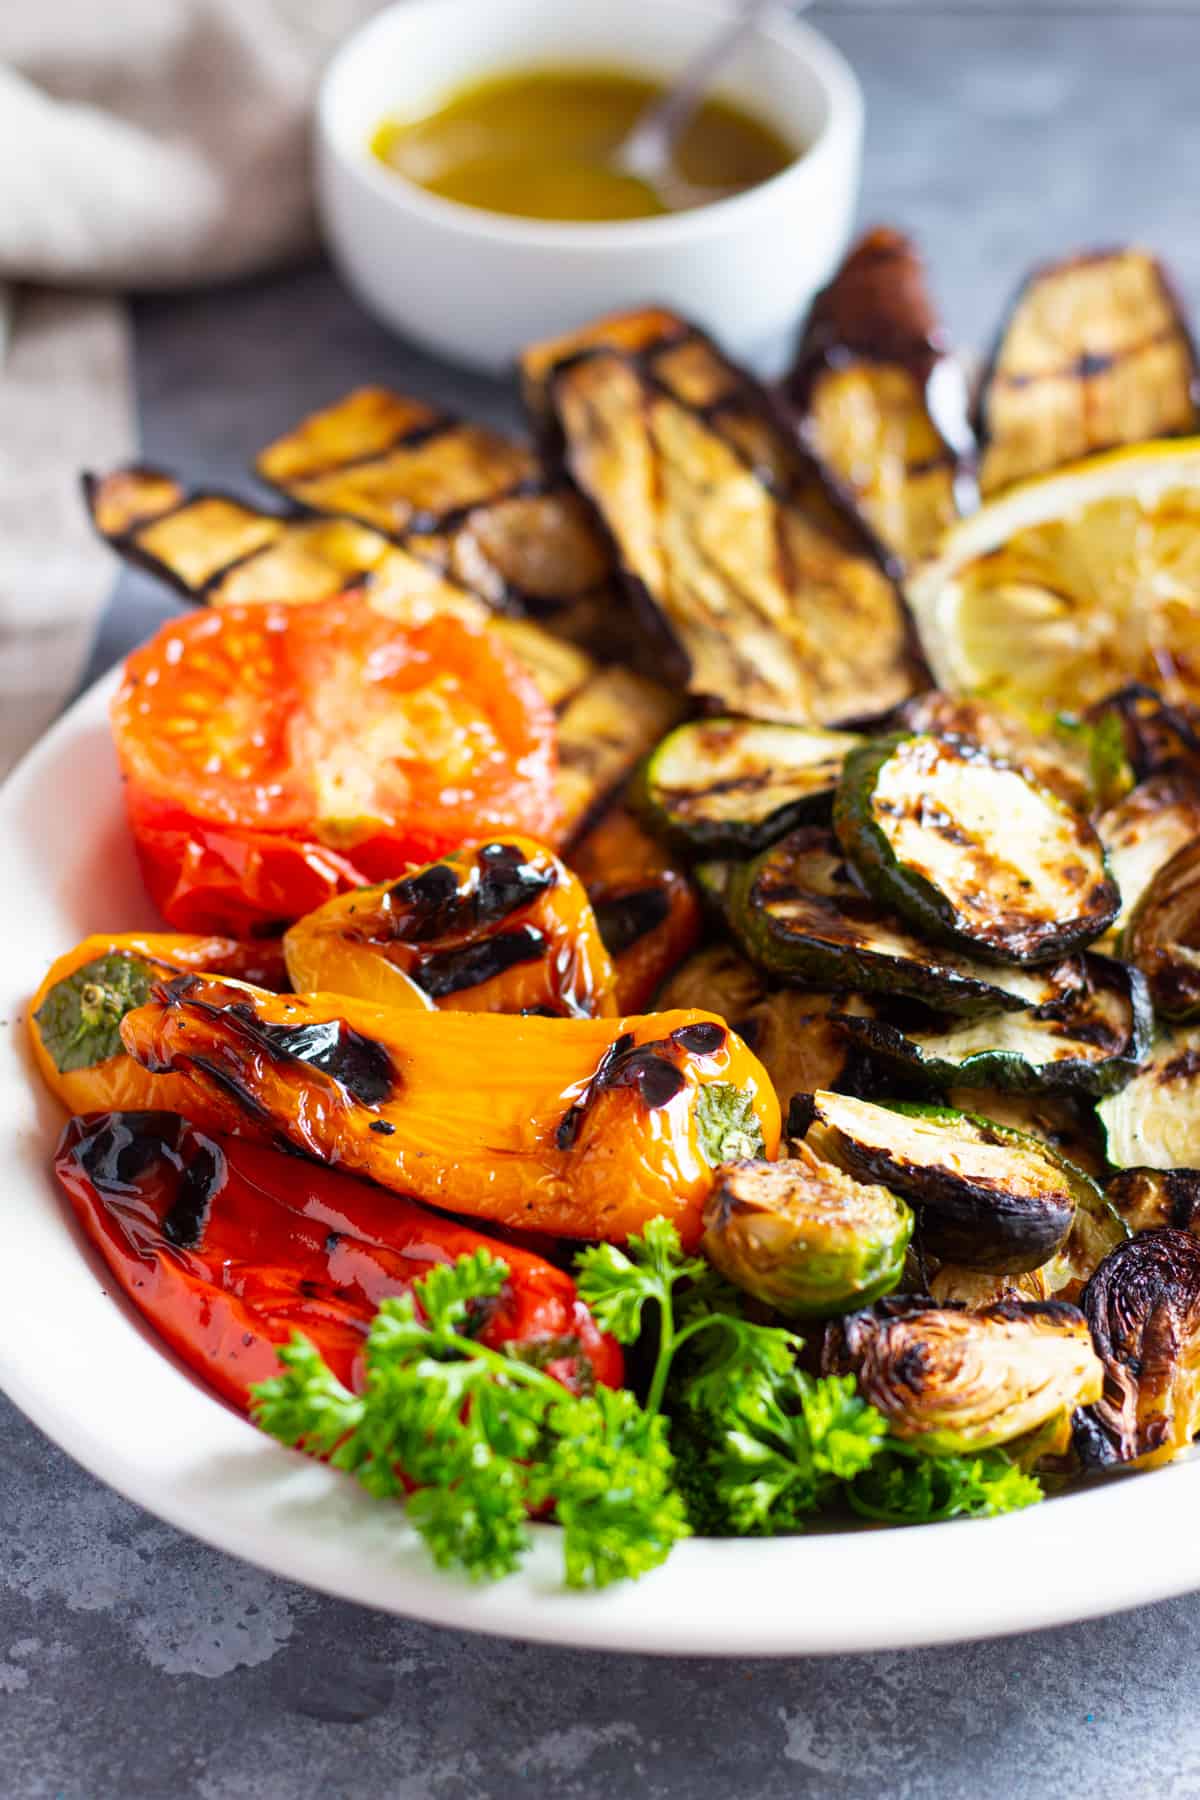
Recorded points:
(478, 286)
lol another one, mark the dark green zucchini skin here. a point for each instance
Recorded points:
(704, 822)
(963, 1219)
(1024, 1071)
(825, 941)
(1024, 939)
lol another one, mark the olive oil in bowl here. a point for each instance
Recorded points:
(539, 144)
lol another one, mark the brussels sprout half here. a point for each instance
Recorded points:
(950, 1381)
(1163, 936)
(1143, 1307)
(804, 1237)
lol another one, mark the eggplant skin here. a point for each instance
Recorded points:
(953, 1381)
(878, 399)
(927, 822)
(1161, 938)
(1094, 353)
(1143, 1308)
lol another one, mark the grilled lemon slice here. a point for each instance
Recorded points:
(1070, 585)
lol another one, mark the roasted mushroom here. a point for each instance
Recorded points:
(804, 1237)
(879, 400)
(1095, 352)
(990, 1198)
(951, 1381)
(1143, 1307)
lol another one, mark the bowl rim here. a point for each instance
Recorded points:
(841, 91)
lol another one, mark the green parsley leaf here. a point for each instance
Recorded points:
(726, 1124)
(904, 1487)
(618, 1284)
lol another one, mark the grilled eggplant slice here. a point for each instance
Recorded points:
(762, 594)
(1091, 1040)
(1095, 353)
(951, 1382)
(879, 400)
(736, 785)
(799, 913)
(1162, 938)
(645, 906)
(216, 549)
(1154, 1121)
(1143, 1307)
(474, 503)
(971, 850)
(604, 731)
(797, 1036)
(1149, 1199)
(805, 1238)
(990, 1198)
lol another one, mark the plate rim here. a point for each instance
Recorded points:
(178, 1451)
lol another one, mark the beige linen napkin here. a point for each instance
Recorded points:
(143, 143)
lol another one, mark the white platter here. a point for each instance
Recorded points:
(78, 1362)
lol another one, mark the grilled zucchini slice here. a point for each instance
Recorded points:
(736, 785)
(1095, 353)
(804, 1237)
(761, 597)
(879, 400)
(799, 913)
(1090, 1041)
(1062, 764)
(1154, 1121)
(1144, 830)
(990, 1198)
(1162, 938)
(971, 850)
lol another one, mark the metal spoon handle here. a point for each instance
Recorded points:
(648, 147)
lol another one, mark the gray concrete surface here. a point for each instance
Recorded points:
(134, 1662)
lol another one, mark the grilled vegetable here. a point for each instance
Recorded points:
(1148, 1199)
(954, 1285)
(970, 850)
(736, 785)
(1062, 763)
(1090, 1040)
(1162, 935)
(584, 1127)
(1155, 736)
(275, 755)
(227, 1248)
(1144, 830)
(797, 1036)
(1067, 1124)
(645, 907)
(804, 1238)
(878, 398)
(763, 598)
(221, 550)
(75, 1016)
(991, 1198)
(1154, 1122)
(472, 502)
(1143, 1307)
(952, 1381)
(501, 927)
(799, 912)
(603, 733)
(1095, 352)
